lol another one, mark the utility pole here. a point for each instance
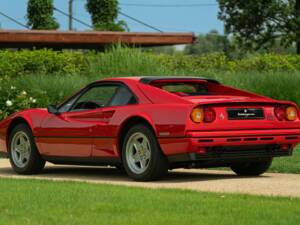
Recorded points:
(70, 14)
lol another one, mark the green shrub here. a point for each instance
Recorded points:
(14, 63)
(13, 99)
(219, 62)
(122, 61)
(51, 76)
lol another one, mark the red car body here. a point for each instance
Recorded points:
(95, 136)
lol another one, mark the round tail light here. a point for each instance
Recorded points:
(209, 115)
(206, 115)
(280, 113)
(291, 113)
(197, 115)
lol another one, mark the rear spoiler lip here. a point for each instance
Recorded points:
(249, 102)
(149, 80)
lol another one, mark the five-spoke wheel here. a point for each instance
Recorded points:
(138, 153)
(20, 149)
(23, 154)
(142, 157)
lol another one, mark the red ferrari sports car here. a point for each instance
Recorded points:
(148, 125)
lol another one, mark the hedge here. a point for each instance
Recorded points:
(128, 61)
(15, 63)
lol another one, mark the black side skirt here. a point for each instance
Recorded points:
(92, 161)
(3, 155)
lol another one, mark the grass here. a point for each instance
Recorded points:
(45, 202)
(287, 164)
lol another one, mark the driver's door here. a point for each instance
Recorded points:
(69, 133)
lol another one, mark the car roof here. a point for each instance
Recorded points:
(149, 79)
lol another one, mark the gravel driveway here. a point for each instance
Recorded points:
(199, 180)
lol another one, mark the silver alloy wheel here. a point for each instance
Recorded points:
(20, 149)
(138, 153)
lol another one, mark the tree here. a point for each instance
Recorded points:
(259, 24)
(104, 14)
(208, 43)
(40, 15)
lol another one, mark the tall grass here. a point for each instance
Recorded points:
(281, 86)
(125, 62)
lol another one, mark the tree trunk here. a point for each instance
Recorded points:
(297, 14)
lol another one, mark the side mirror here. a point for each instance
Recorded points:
(53, 109)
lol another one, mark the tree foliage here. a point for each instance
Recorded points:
(209, 43)
(104, 14)
(40, 15)
(260, 23)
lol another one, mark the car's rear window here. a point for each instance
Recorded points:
(184, 89)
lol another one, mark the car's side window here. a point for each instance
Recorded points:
(95, 97)
(123, 96)
(100, 96)
(65, 107)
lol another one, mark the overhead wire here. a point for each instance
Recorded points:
(14, 20)
(120, 12)
(73, 18)
(141, 22)
(169, 5)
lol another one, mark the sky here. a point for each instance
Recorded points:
(198, 19)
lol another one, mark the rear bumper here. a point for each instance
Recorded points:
(231, 144)
(232, 154)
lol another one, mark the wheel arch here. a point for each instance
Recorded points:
(16, 121)
(127, 124)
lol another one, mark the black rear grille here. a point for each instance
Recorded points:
(245, 151)
(224, 156)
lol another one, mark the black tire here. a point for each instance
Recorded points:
(120, 168)
(157, 164)
(35, 162)
(252, 168)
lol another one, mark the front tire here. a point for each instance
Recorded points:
(252, 168)
(142, 157)
(23, 154)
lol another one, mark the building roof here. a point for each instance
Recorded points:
(88, 39)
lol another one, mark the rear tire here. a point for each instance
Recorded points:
(142, 157)
(252, 168)
(23, 153)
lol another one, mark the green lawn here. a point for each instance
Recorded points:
(46, 202)
(287, 164)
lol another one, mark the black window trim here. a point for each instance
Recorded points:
(92, 85)
(150, 79)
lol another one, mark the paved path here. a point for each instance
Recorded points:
(199, 180)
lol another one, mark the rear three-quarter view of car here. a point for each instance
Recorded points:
(149, 125)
